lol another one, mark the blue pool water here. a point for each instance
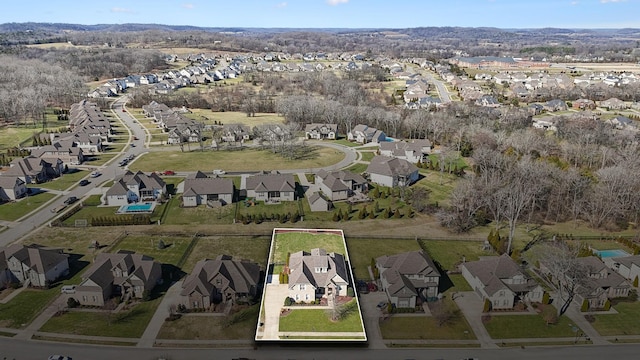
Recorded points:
(611, 253)
(136, 208)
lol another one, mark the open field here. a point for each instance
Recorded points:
(234, 117)
(449, 255)
(244, 160)
(15, 210)
(75, 240)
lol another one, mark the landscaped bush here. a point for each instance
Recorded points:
(72, 303)
(173, 317)
(288, 301)
(585, 305)
(607, 305)
(487, 306)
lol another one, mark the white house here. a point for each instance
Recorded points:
(364, 134)
(12, 188)
(135, 187)
(317, 274)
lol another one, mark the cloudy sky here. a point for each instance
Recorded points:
(332, 13)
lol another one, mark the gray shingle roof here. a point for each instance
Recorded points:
(384, 165)
(271, 182)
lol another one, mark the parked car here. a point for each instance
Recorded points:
(135, 138)
(219, 172)
(124, 110)
(95, 174)
(168, 172)
(59, 357)
(84, 182)
(70, 200)
(133, 145)
(68, 289)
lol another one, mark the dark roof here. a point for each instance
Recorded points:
(384, 165)
(240, 276)
(271, 182)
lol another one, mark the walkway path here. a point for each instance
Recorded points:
(162, 312)
(471, 307)
(578, 319)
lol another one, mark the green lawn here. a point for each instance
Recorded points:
(212, 327)
(63, 182)
(358, 168)
(625, 322)
(255, 249)
(234, 117)
(296, 241)
(15, 210)
(451, 252)
(363, 250)
(423, 327)
(367, 155)
(346, 142)
(25, 307)
(527, 326)
(148, 245)
(247, 159)
(127, 324)
(177, 215)
(318, 320)
(13, 136)
(440, 185)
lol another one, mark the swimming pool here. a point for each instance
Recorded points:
(611, 253)
(146, 207)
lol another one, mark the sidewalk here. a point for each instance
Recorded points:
(471, 307)
(58, 304)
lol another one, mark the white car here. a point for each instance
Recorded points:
(219, 172)
(95, 174)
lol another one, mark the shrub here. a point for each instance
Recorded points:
(72, 303)
(487, 306)
(635, 281)
(585, 305)
(607, 305)
(545, 298)
(350, 292)
(161, 244)
(288, 301)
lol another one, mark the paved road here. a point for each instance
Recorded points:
(110, 170)
(442, 89)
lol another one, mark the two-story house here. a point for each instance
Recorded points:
(135, 187)
(317, 274)
(409, 279)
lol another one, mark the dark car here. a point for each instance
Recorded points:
(71, 200)
(84, 182)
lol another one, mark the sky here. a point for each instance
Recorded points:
(332, 13)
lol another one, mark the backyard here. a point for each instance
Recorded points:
(363, 250)
(291, 242)
(253, 248)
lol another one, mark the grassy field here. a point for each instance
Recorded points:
(175, 248)
(367, 155)
(318, 320)
(361, 252)
(13, 136)
(451, 252)
(74, 240)
(247, 159)
(440, 185)
(126, 324)
(625, 322)
(92, 210)
(15, 210)
(234, 117)
(212, 327)
(299, 241)
(358, 168)
(252, 248)
(527, 326)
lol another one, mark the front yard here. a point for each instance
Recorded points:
(528, 326)
(63, 182)
(625, 322)
(15, 210)
(319, 320)
(127, 324)
(239, 326)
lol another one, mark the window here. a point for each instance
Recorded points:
(95, 298)
(297, 297)
(303, 286)
(84, 298)
(306, 296)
